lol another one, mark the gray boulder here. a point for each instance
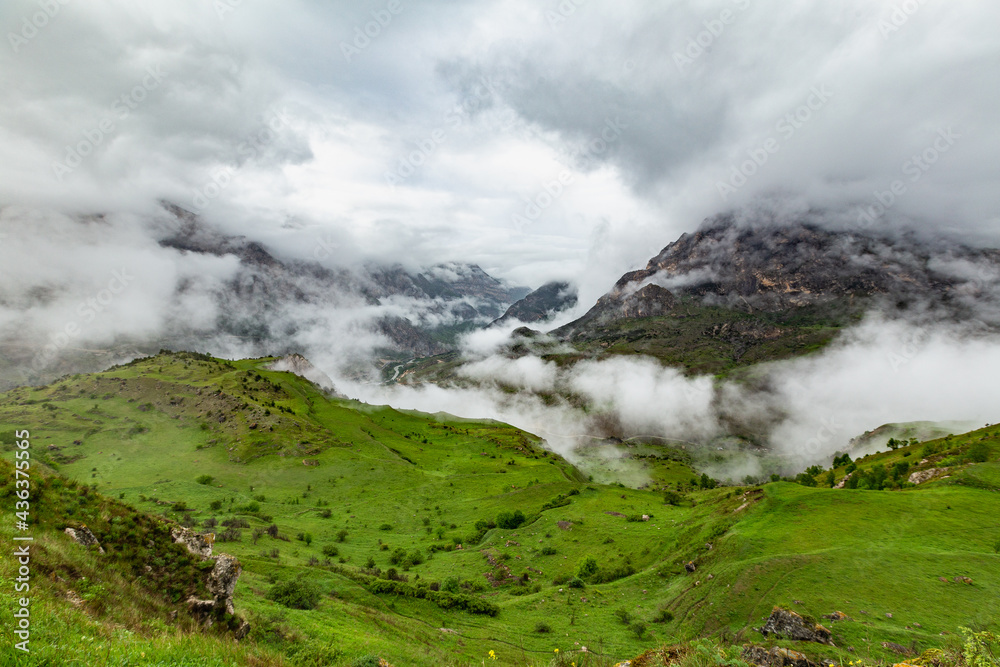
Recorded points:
(786, 624)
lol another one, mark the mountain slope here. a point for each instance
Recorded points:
(352, 499)
(732, 294)
(541, 304)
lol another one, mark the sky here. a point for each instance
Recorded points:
(540, 139)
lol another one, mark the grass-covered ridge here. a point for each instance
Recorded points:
(432, 540)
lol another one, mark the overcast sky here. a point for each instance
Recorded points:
(428, 138)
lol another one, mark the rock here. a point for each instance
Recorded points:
(958, 580)
(787, 624)
(776, 657)
(897, 648)
(84, 537)
(837, 616)
(242, 631)
(888, 614)
(843, 482)
(922, 476)
(222, 580)
(944, 579)
(690, 566)
(198, 544)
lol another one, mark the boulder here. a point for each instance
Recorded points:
(787, 624)
(775, 657)
(897, 648)
(690, 566)
(83, 536)
(222, 580)
(198, 544)
(837, 616)
(922, 476)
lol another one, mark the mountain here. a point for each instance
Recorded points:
(733, 294)
(541, 304)
(372, 536)
(270, 304)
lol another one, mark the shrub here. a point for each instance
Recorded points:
(450, 585)
(576, 582)
(663, 616)
(385, 526)
(215, 505)
(342, 535)
(510, 520)
(548, 551)
(542, 627)
(205, 479)
(638, 628)
(587, 567)
(331, 551)
(623, 615)
(367, 661)
(295, 594)
(672, 498)
(978, 452)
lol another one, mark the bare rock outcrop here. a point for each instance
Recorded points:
(922, 476)
(83, 536)
(775, 657)
(787, 624)
(198, 544)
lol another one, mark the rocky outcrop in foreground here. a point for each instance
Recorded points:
(221, 581)
(786, 624)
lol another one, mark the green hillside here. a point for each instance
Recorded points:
(433, 540)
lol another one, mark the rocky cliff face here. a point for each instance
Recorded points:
(546, 301)
(768, 268)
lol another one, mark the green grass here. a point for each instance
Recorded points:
(280, 452)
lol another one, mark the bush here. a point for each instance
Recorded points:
(331, 551)
(638, 629)
(450, 585)
(623, 615)
(215, 505)
(663, 616)
(367, 661)
(672, 498)
(510, 520)
(341, 535)
(205, 479)
(295, 594)
(978, 452)
(576, 582)
(542, 627)
(385, 526)
(587, 567)
(548, 551)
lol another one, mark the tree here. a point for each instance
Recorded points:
(894, 444)
(510, 520)
(706, 482)
(830, 479)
